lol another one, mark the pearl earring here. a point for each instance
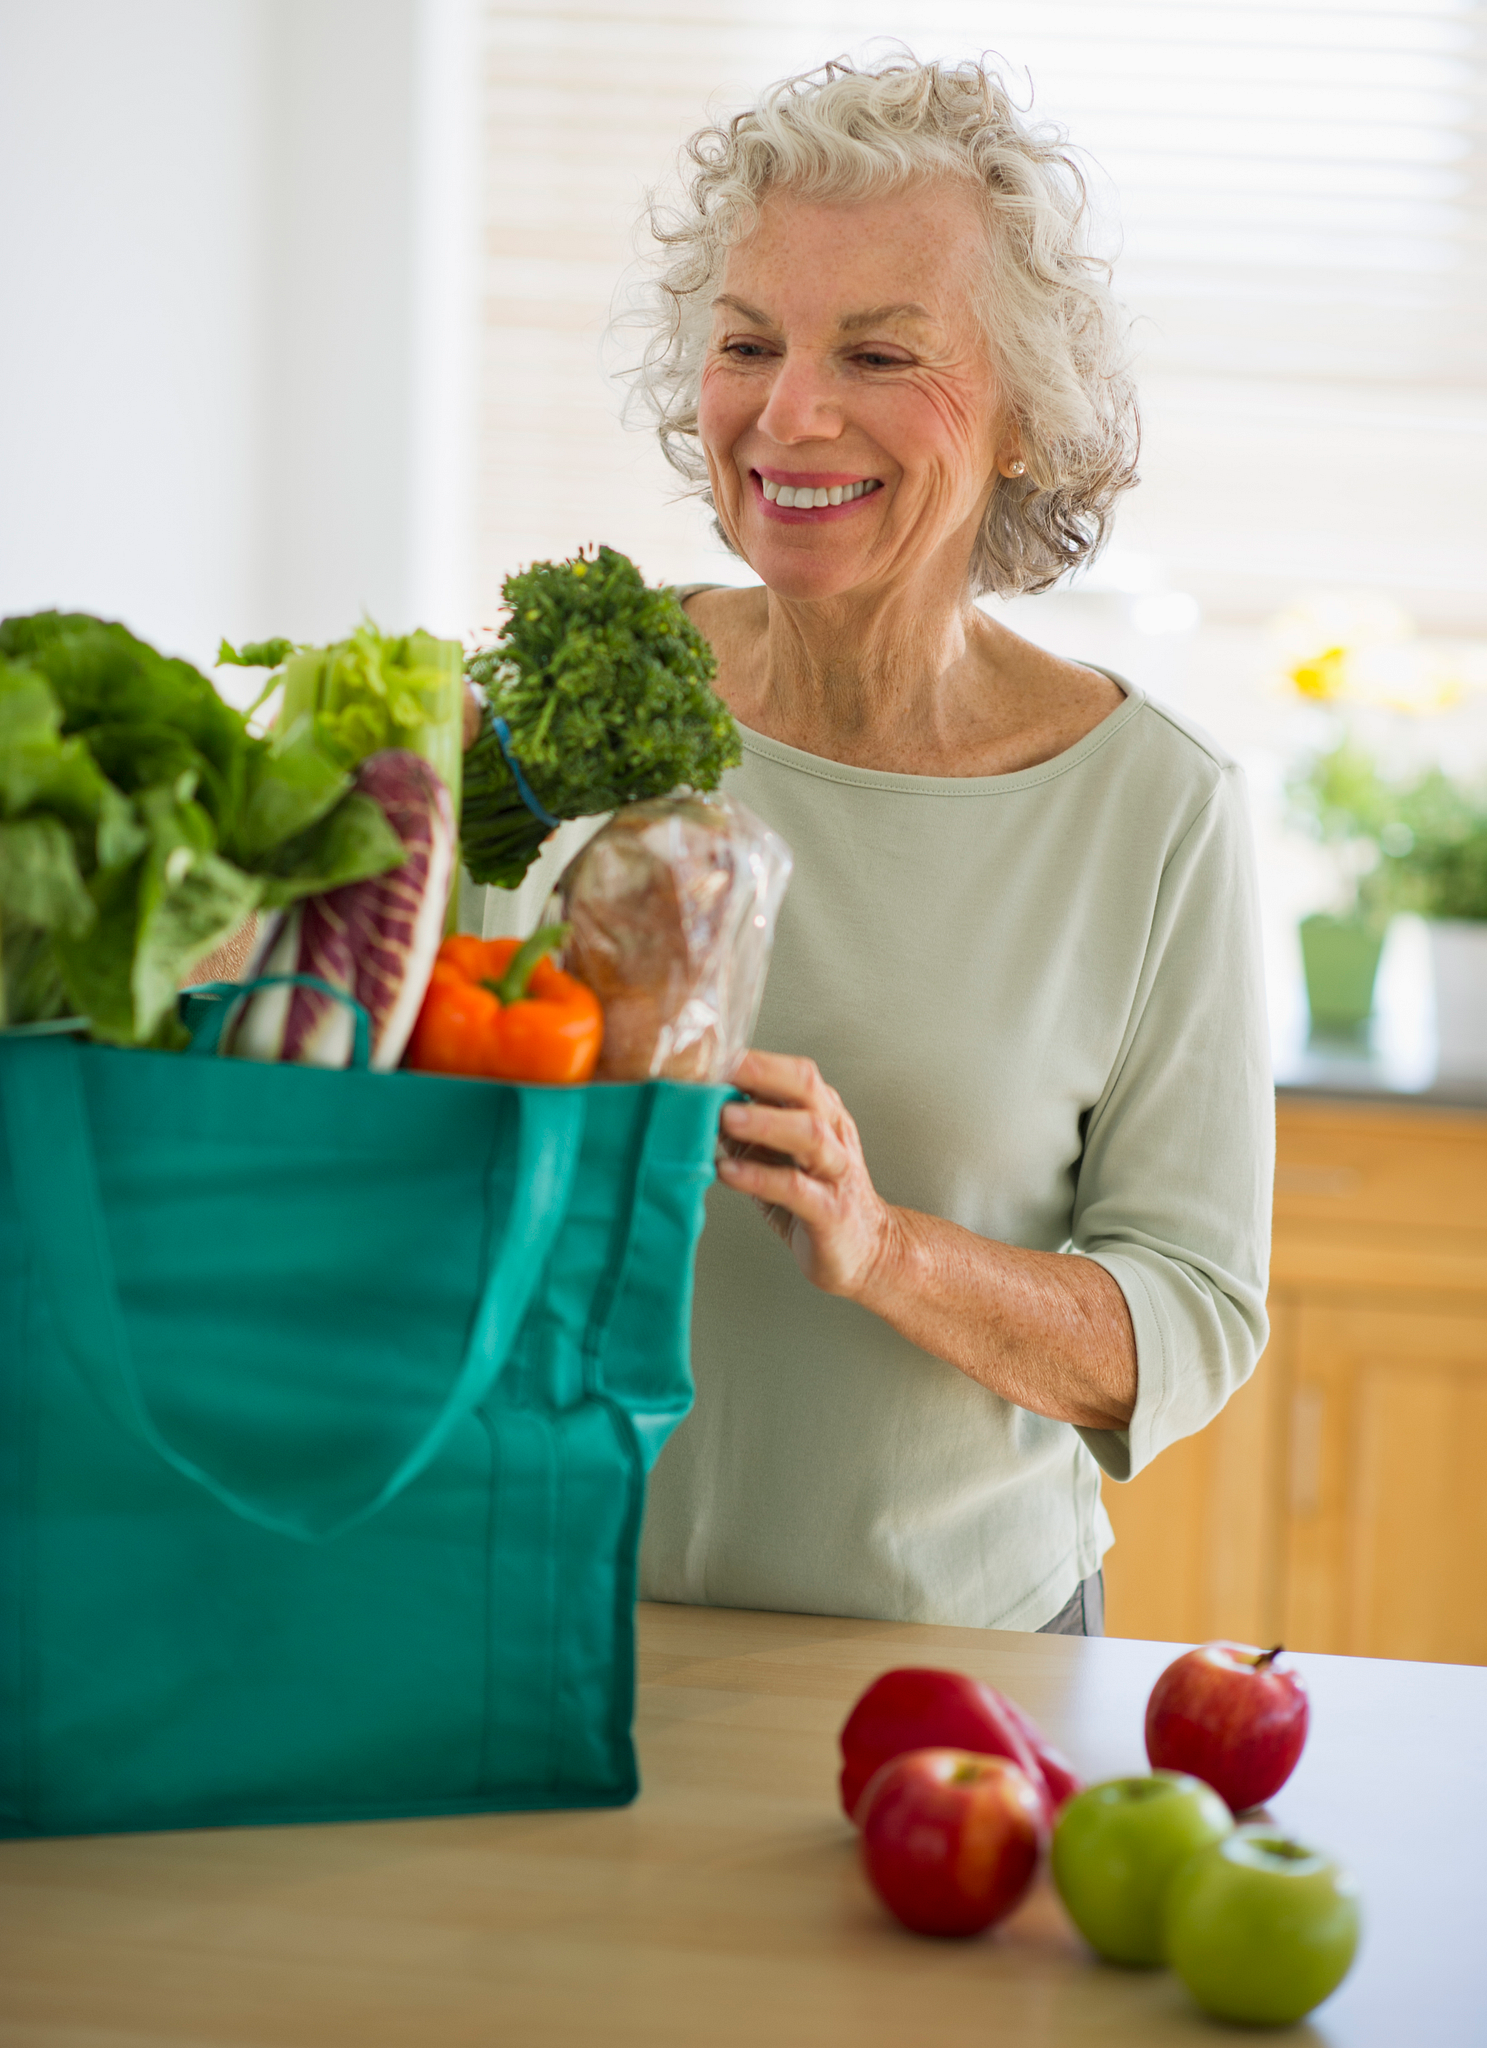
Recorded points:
(1016, 469)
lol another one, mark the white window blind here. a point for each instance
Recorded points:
(1301, 196)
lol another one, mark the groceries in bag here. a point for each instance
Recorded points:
(335, 837)
(374, 939)
(367, 694)
(671, 908)
(501, 1009)
(142, 822)
(597, 694)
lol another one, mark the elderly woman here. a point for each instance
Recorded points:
(1009, 1154)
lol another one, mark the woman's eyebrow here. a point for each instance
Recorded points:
(876, 316)
(850, 323)
(749, 312)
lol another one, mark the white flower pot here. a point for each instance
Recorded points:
(1458, 958)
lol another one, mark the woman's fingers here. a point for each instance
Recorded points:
(781, 1189)
(794, 1148)
(801, 1135)
(781, 1078)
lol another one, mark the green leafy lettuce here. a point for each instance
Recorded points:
(141, 822)
(366, 692)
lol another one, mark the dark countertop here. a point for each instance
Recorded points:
(1339, 1073)
(1396, 1062)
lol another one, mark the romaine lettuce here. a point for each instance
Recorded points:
(141, 822)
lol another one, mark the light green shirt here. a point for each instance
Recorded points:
(1040, 996)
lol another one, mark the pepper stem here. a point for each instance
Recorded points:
(512, 987)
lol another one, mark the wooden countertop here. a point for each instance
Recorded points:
(726, 1907)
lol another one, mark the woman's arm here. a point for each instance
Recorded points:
(1046, 1330)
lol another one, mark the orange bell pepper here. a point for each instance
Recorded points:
(500, 1009)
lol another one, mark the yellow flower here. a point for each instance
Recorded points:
(1355, 647)
(1323, 677)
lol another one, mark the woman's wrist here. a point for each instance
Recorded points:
(893, 1272)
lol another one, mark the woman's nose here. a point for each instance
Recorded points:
(801, 405)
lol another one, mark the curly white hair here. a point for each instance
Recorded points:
(1056, 334)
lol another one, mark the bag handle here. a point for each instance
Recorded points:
(207, 1035)
(52, 1156)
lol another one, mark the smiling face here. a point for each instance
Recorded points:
(849, 416)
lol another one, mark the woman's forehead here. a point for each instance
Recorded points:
(903, 258)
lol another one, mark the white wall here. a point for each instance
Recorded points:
(233, 265)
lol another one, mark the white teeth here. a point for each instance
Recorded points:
(801, 495)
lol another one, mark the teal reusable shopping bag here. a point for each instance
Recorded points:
(326, 1402)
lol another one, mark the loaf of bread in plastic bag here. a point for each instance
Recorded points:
(671, 908)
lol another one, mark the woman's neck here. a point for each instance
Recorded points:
(852, 676)
(938, 689)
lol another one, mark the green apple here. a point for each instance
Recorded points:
(1115, 1848)
(1261, 1929)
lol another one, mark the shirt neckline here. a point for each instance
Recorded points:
(761, 745)
(937, 785)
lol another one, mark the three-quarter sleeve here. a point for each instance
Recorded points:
(1174, 1186)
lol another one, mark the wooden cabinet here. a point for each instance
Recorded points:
(1340, 1501)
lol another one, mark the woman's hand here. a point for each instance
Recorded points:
(1048, 1330)
(795, 1149)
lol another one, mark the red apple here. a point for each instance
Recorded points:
(950, 1841)
(1059, 1774)
(916, 1707)
(1227, 1714)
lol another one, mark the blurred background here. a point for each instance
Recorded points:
(309, 310)
(309, 303)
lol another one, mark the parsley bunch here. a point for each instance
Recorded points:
(604, 684)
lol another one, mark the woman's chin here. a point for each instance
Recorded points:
(806, 571)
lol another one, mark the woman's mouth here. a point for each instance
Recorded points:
(807, 495)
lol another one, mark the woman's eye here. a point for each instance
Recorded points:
(746, 351)
(875, 360)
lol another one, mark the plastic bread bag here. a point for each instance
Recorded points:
(671, 908)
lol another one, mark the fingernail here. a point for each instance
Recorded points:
(735, 1116)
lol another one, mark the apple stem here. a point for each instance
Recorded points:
(1267, 1657)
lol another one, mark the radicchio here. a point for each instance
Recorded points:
(375, 939)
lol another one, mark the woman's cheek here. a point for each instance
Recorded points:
(723, 413)
(977, 432)
(948, 417)
(936, 450)
(720, 421)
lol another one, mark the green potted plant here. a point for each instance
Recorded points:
(1416, 846)
(1341, 800)
(1357, 658)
